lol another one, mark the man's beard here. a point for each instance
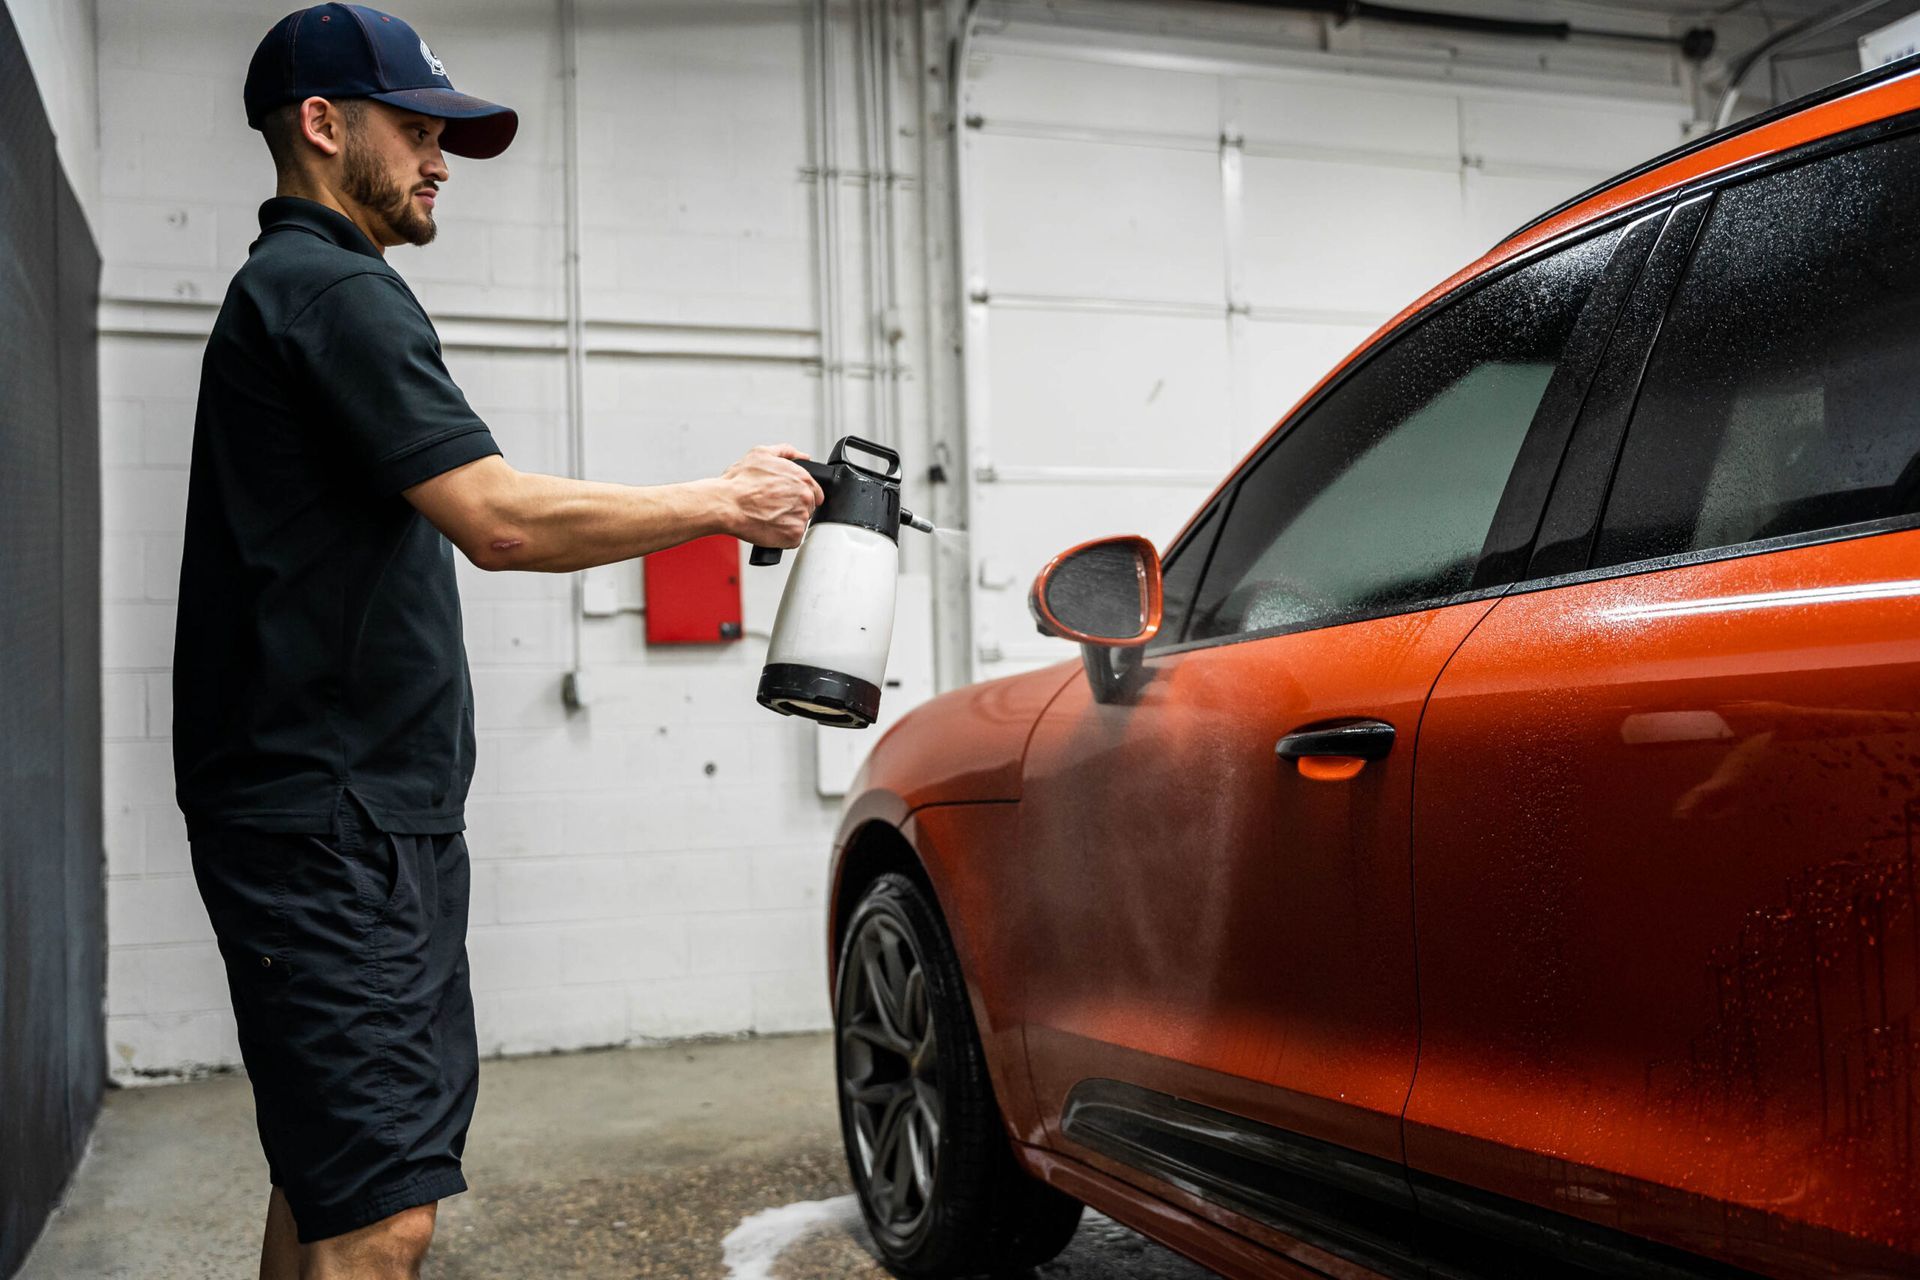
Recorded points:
(384, 199)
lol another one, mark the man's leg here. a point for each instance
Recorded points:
(280, 1250)
(350, 922)
(390, 1249)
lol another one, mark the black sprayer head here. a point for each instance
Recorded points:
(855, 494)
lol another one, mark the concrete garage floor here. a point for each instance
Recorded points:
(603, 1165)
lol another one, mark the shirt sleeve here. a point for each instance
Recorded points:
(372, 361)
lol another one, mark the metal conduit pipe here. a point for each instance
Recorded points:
(937, 56)
(872, 78)
(826, 174)
(867, 112)
(959, 660)
(576, 320)
(1809, 26)
(889, 319)
(1696, 43)
(871, 84)
(879, 195)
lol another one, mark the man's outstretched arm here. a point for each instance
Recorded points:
(501, 518)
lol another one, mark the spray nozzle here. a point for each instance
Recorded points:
(913, 521)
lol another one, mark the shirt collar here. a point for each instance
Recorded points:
(301, 214)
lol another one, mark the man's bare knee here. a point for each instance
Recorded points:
(390, 1249)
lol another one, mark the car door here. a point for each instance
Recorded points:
(1665, 818)
(1219, 947)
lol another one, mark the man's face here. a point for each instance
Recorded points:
(391, 164)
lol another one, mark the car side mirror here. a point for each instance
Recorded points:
(1104, 593)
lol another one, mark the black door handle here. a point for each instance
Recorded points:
(1359, 740)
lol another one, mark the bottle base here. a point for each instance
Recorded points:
(829, 697)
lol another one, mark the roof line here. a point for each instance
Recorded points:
(1838, 89)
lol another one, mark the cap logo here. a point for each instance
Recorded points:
(433, 63)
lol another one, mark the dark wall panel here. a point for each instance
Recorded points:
(84, 817)
(52, 935)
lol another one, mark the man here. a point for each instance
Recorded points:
(323, 722)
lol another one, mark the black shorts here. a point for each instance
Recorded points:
(346, 959)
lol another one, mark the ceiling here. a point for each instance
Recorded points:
(1755, 15)
(1798, 67)
(1781, 12)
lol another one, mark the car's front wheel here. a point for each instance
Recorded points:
(925, 1140)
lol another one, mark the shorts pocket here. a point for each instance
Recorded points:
(379, 868)
(376, 860)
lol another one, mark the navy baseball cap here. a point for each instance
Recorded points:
(340, 51)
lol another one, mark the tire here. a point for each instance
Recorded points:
(926, 1144)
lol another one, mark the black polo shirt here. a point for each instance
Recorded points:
(318, 648)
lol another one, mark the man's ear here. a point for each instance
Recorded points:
(323, 125)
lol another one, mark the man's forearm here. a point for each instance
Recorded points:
(558, 525)
(506, 519)
(551, 524)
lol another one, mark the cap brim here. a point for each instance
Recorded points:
(476, 128)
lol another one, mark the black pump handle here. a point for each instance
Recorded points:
(822, 472)
(839, 454)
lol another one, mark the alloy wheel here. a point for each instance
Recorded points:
(889, 1074)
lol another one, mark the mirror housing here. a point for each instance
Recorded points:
(1104, 593)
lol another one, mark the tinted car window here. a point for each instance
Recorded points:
(1382, 495)
(1180, 577)
(1784, 395)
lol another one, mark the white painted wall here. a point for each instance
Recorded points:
(654, 865)
(59, 37)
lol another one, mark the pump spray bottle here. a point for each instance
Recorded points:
(828, 657)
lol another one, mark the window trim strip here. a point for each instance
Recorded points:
(1572, 515)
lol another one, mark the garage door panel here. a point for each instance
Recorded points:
(1318, 112)
(1028, 524)
(1535, 130)
(1079, 389)
(1109, 238)
(1348, 237)
(1497, 203)
(1013, 88)
(1285, 361)
(1099, 220)
(1017, 528)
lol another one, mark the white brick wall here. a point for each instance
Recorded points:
(651, 867)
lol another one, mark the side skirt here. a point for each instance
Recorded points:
(1356, 1206)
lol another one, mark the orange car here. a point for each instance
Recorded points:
(1486, 844)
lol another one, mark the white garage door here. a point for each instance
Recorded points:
(1162, 254)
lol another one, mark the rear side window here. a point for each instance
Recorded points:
(1784, 394)
(1381, 497)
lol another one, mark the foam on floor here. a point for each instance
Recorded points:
(750, 1249)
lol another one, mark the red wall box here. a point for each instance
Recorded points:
(693, 592)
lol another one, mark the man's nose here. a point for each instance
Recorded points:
(436, 167)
